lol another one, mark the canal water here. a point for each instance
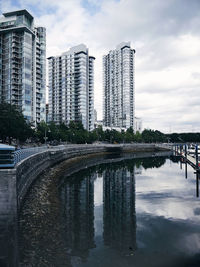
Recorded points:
(137, 212)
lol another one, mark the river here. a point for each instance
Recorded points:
(137, 212)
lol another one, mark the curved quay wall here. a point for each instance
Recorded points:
(14, 184)
(30, 168)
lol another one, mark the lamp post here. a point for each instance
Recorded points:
(45, 134)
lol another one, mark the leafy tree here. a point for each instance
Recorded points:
(13, 125)
(130, 130)
(41, 131)
(138, 137)
(76, 125)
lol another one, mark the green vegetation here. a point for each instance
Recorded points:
(14, 127)
(13, 124)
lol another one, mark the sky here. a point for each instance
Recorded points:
(165, 35)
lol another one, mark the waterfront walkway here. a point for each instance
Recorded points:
(21, 154)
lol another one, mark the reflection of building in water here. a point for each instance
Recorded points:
(78, 198)
(119, 209)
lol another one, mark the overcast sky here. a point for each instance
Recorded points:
(165, 34)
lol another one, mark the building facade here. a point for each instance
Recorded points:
(23, 64)
(118, 85)
(138, 125)
(71, 87)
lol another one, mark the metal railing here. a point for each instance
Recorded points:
(21, 154)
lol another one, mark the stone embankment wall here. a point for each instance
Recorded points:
(28, 169)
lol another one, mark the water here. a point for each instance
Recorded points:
(140, 212)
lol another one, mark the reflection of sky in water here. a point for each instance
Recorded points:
(98, 191)
(148, 217)
(165, 192)
(98, 206)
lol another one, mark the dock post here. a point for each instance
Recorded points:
(196, 154)
(186, 161)
(186, 170)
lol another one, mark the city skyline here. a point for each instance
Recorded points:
(165, 36)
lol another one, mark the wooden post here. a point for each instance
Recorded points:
(186, 161)
(196, 154)
(186, 170)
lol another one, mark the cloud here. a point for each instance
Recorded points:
(165, 35)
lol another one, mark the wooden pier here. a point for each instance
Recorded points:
(189, 153)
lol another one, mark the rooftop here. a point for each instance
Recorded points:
(18, 12)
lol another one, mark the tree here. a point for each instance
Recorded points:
(138, 137)
(13, 125)
(41, 131)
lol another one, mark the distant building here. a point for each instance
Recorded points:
(71, 87)
(23, 64)
(138, 125)
(118, 84)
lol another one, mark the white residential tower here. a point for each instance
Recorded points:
(118, 85)
(71, 87)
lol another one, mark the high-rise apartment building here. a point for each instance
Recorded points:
(23, 64)
(71, 87)
(118, 84)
